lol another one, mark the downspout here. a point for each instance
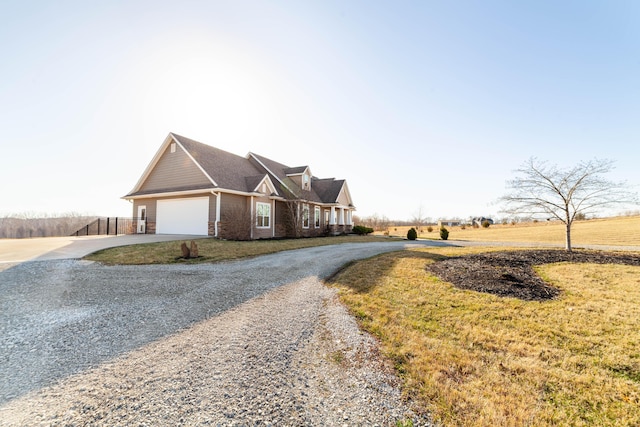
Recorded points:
(218, 203)
(273, 221)
(251, 212)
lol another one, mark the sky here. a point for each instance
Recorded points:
(422, 106)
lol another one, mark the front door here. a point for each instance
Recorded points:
(142, 219)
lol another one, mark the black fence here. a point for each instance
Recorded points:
(112, 226)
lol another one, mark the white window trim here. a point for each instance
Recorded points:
(317, 220)
(305, 207)
(265, 206)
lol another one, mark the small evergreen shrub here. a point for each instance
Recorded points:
(444, 233)
(412, 234)
(485, 224)
(429, 229)
(362, 230)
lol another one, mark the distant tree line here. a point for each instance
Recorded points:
(21, 226)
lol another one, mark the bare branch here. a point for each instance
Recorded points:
(542, 189)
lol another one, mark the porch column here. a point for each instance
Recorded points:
(332, 217)
(341, 217)
(349, 217)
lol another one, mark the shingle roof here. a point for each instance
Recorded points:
(254, 181)
(296, 170)
(327, 189)
(232, 172)
(322, 190)
(226, 169)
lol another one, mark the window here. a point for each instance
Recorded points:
(305, 182)
(305, 216)
(173, 147)
(316, 216)
(263, 214)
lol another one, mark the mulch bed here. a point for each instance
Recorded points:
(511, 274)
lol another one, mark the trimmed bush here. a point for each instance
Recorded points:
(429, 229)
(485, 224)
(444, 233)
(362, 230)
(412, 234)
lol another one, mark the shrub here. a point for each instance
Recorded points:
(485, 224)
(429, 229)
(463, 227)
(412, 234)
(444, 233)
(362, 230)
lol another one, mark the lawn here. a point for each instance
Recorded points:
(213, 250)
(473, 358)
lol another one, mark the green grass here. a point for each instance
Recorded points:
(478, 359)
(213, 250)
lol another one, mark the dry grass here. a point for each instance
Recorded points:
(618, 231)
(212, 250)
(478, 359)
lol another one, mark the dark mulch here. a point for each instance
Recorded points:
(511, 274)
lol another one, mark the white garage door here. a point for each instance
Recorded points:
(183, 216)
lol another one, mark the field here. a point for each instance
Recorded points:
(617, 231)
(473, 358)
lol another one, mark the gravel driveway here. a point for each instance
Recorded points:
(252, 342)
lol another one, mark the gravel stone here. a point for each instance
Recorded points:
(252, 342)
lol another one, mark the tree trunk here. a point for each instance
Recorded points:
(568, 244)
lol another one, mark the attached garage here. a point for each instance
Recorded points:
(183, 216)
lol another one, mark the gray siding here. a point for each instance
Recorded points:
(342, 199)
(150, 205)
(174, 170)
(232, 203)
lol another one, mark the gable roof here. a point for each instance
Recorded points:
(227, 171)
(327, 189)
(299, 170)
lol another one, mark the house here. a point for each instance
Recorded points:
(193, 188)
(449, 223)
(478, 221)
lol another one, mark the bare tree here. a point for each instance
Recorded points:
(419, 219)
(237, 223)
(293, 217)
(545, 190)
